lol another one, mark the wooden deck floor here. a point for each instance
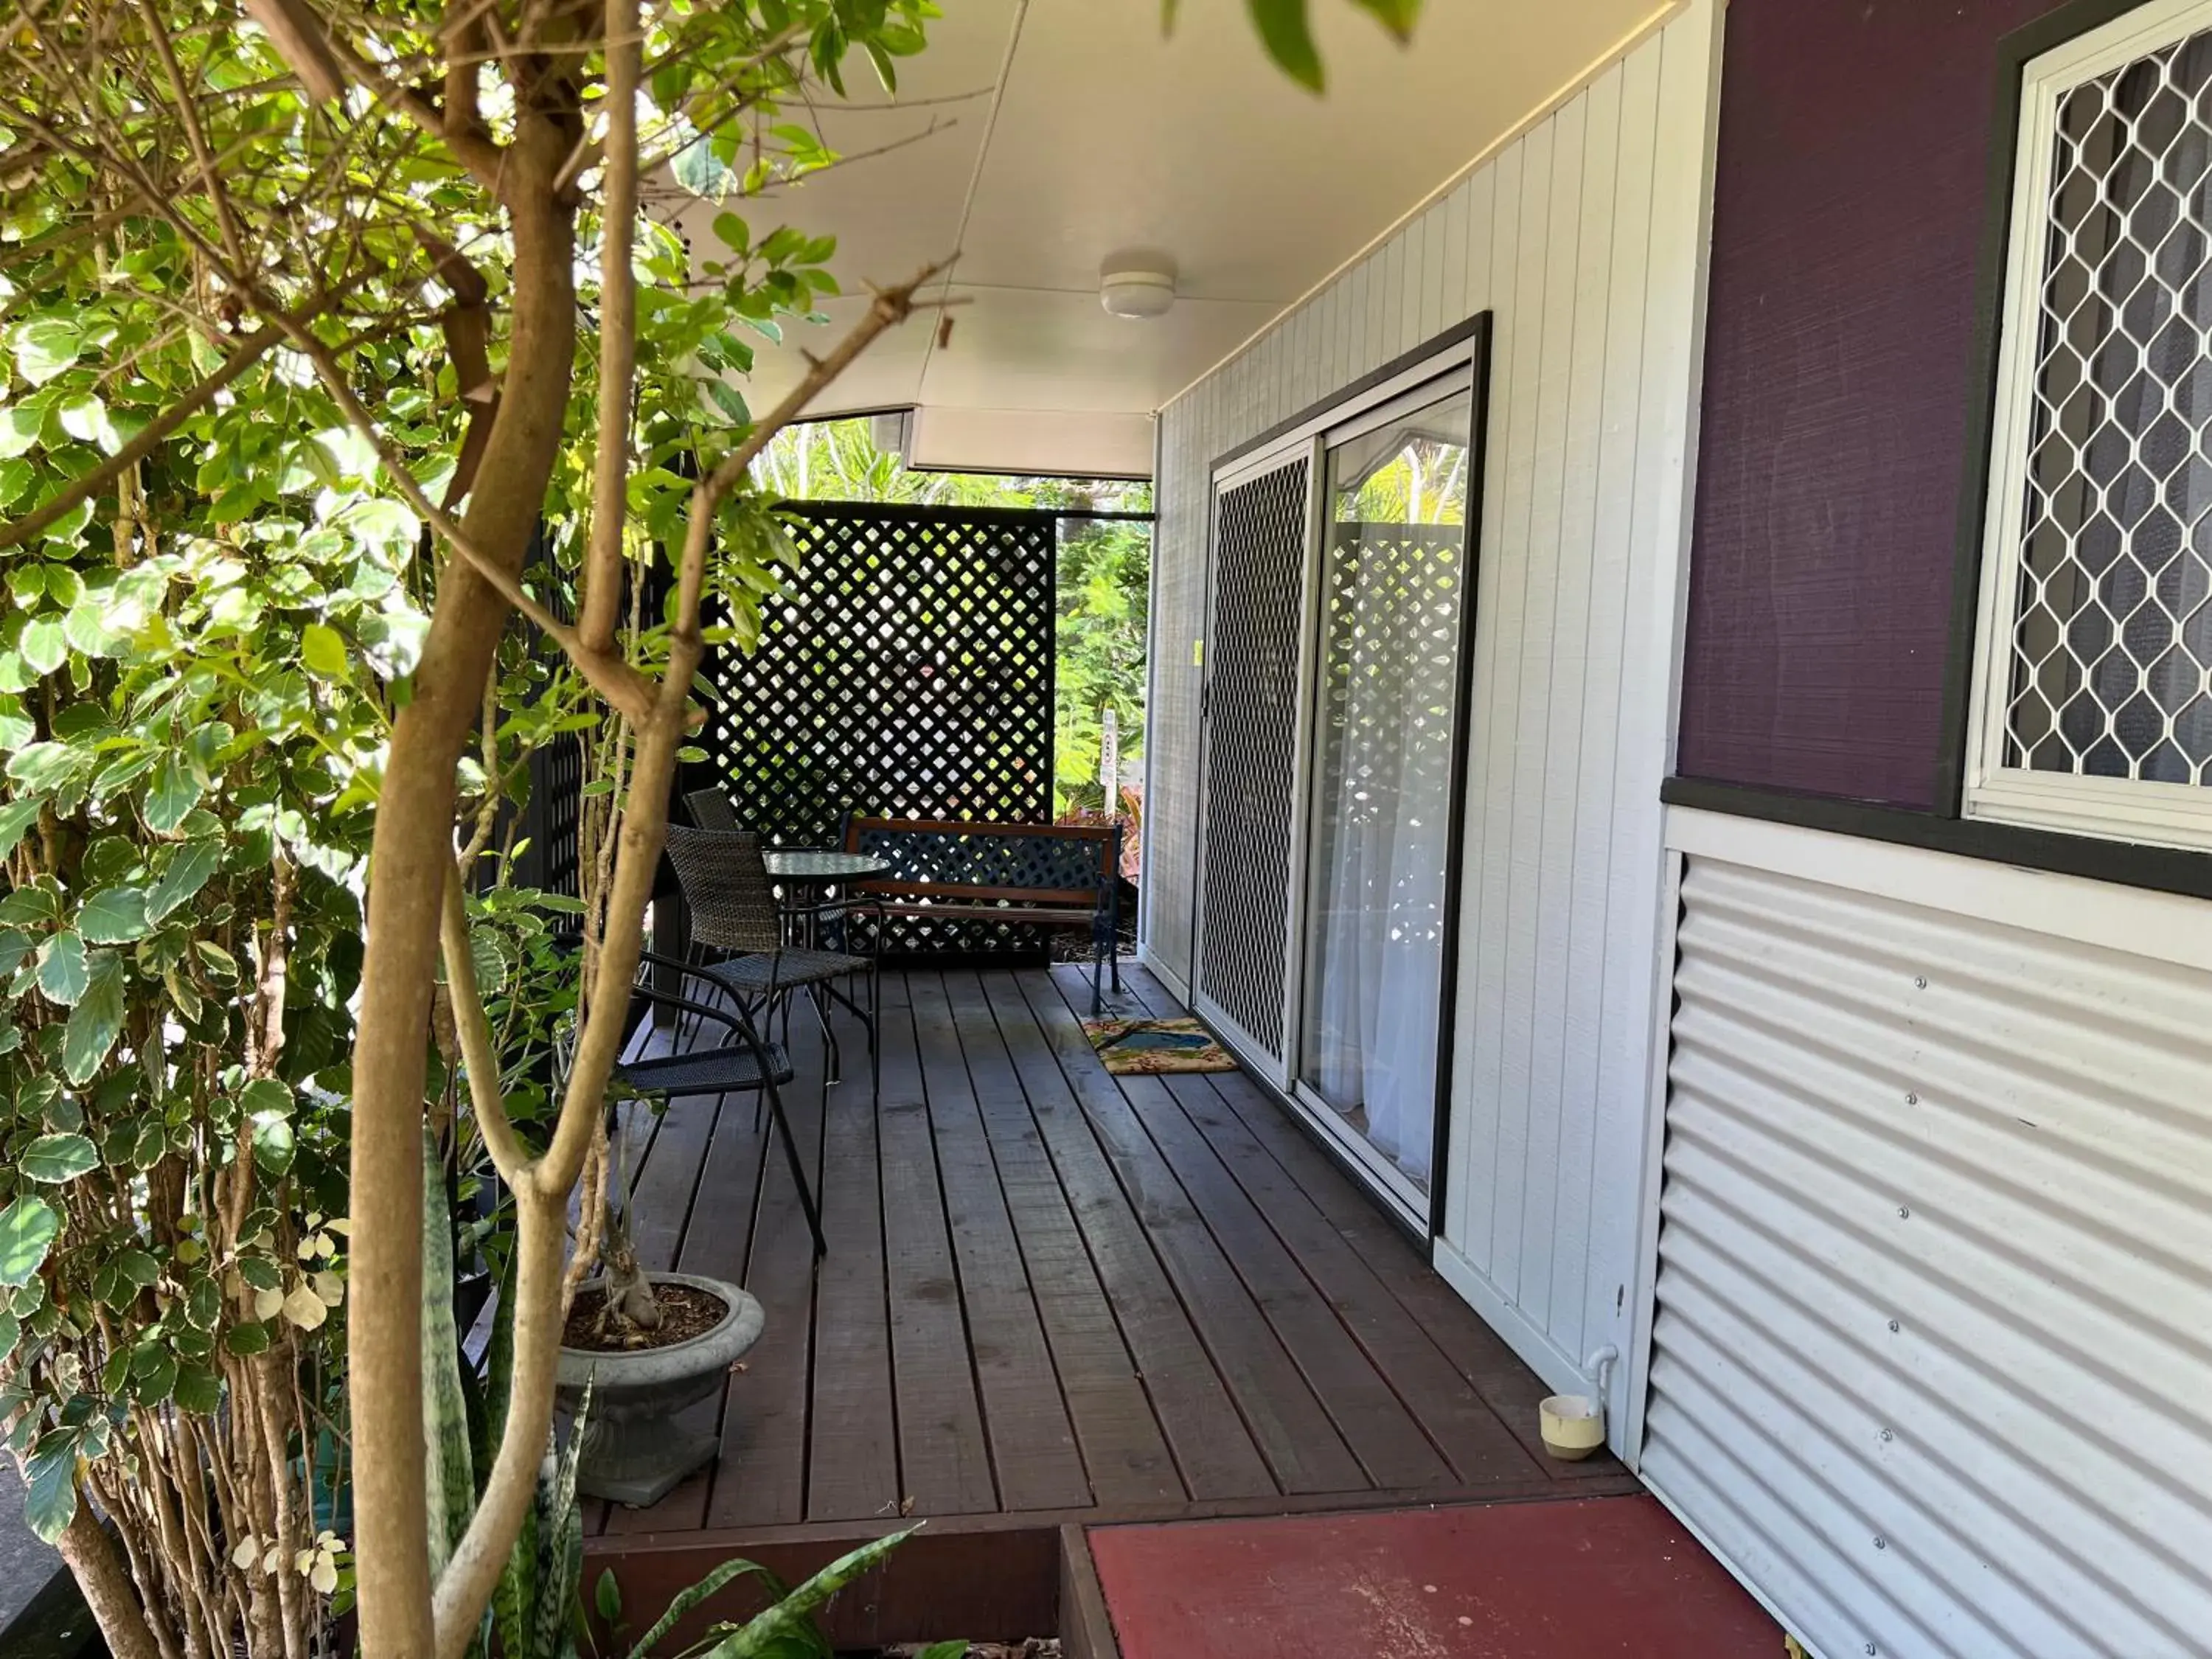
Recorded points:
(1054, 1295)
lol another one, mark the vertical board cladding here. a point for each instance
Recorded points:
(1850, 205)
(1929, 1365)
(1583, 237)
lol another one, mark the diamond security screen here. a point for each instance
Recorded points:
(1251, 749)
(2109, 670)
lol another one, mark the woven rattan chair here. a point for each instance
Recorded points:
(710, 808)
(733, 909)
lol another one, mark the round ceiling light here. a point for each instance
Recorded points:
(1137, 285)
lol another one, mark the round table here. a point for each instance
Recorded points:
(818, 869)
(815, 867)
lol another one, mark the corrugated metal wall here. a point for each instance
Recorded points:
(1932, 1358)
(1584, 237)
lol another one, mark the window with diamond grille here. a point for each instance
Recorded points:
(906, 672)
(1251, 749)
(2095, 697)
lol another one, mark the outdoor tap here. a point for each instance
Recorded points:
(1599, 1369)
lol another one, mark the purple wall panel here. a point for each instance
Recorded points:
(1848, 215)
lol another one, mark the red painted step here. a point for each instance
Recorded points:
(1585, 1578)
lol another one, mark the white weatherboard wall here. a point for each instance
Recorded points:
(1931, 1365)
(1585, 238)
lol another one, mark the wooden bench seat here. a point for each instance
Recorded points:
(1041, 875)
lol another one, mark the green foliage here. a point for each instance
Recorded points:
(1286, 30)
(173, 783)
(1105, 568)
(452, 1485)
(199, 662)
(788, 1629)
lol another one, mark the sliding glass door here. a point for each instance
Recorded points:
(1334, 743)
(1393, 598)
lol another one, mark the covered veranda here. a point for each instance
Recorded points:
(1053, 1298)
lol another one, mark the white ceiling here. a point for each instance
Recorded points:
(1037, 137)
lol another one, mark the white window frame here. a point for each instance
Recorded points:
(2126, 809)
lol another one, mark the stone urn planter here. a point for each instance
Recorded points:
(634, 1451)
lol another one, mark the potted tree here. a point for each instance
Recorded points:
(644, 1348)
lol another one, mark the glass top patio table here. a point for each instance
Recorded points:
(810, 864)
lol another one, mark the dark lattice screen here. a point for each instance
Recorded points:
(906, 672)
(547, 829)
(1251, 705)
(1391, 599)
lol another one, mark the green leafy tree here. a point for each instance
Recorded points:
(192, 714)
(224, 239)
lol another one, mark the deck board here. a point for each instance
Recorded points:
(853, 1456)
(1053, 1292)
(943, 1453)
(1124, 1451)
(1393, 1395)
(1213, 1451)
(761, 1478)
(1032, 1442)
(1302, 1445)
(1478, 1354)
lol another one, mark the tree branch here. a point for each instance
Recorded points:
(615, 679)
(324, 63)
(892, 306)
(301, 40)
(463, 36)
(188, 113)
(618, 334)
(467, 330)
(478, 1054)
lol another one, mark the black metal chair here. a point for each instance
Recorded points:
(733, 909)
(749, 1065)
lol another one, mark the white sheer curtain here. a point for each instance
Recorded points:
(1381, 879)
(1394, 577)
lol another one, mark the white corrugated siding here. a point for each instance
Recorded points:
(1584, 238)
(1932, 1356)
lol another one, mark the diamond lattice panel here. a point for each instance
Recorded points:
(1251, 747)
(1391, 595)
(550, 817)
(906, 672)
(2112, 668)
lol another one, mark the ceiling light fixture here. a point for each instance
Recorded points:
(1137, 284)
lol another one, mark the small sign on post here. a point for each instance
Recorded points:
(1109, 763)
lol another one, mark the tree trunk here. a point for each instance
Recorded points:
(410, 861)
(90, 1556)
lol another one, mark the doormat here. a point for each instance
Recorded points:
(1153, 1047)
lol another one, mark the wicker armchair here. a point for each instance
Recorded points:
(733, 909)
(710, 808)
